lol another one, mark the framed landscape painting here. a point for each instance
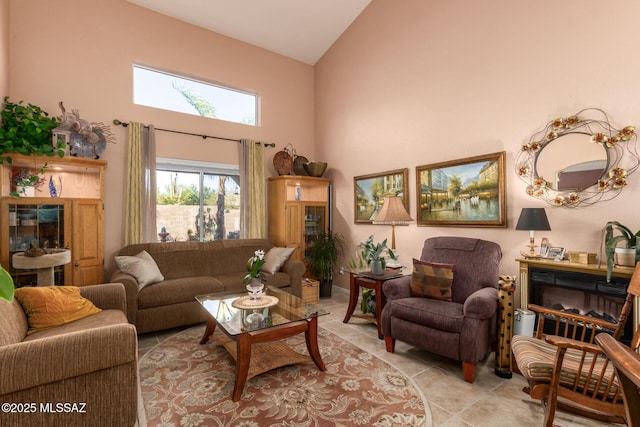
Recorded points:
(465, 193)
(369, 192)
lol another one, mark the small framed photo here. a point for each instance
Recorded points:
(544, 247)
(555, 253)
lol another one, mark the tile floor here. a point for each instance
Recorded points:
(489, 401)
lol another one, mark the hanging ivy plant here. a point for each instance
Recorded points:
(27, 130)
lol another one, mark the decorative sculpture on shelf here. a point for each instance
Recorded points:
(86, 139)
(602, 157)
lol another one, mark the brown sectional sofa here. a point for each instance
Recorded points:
(195, 268)
(91, 362)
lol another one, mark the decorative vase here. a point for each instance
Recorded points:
(253, 320)
(254, 288)
(625, 257)
(26, 190)
(55, 186)
(376, 266)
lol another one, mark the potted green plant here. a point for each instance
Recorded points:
(6, 285)
(374, 254)
(619, 239)
(27, 129)
(322, 258)
(27, 181)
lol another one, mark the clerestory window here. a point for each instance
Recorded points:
(185, 95)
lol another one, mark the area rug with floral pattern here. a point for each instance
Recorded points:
(185, 384)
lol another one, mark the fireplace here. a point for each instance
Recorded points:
(577, 288)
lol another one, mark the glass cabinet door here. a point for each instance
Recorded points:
(315, 222)
(35, 225)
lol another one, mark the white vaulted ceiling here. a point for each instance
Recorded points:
(299, 29)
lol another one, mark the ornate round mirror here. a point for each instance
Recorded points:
(578, 160)
(570, 162)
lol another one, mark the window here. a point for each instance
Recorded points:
(175, 93)
(197, 201)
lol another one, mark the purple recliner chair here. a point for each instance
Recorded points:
(463, 329)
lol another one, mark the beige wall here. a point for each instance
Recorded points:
(4, 47)
(417, 82)
(82, 53)
(410, 83)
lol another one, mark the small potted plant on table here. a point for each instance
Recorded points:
(621, 248)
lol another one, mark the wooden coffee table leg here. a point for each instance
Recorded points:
(242, 365)
(209, 330)
(311, 336)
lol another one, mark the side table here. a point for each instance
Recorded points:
(370, 281)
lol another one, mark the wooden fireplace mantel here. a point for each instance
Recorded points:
(594, 272)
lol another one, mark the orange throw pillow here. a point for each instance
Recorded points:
(49, 306)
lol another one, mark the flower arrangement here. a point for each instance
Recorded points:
(253, 267)
(28, 178)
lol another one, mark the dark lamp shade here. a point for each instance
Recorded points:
(533, 219)
(392, 212)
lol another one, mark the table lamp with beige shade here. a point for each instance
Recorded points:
(393, 212)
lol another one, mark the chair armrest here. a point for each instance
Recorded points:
(107, 296)
(295, 269)
(563, 342)
(131, 290)
(42, 361)
(626, 361)
(397, 288)
(482, 304)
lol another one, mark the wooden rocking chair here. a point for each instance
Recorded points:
(566, 370)
(627, 365)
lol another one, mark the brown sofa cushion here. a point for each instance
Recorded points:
(432, 280)
(50, 306)
(177, 291)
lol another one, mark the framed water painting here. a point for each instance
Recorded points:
(465, 193)
(369, 192)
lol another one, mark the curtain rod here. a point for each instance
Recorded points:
(123, 124)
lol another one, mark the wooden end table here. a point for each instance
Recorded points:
(370, 281)
(289, 317)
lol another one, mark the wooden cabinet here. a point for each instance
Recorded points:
(73, 221)
(298, 210)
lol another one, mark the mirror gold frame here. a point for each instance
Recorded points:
(620, 150)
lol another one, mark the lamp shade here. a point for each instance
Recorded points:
(392, 212)
(533, 219)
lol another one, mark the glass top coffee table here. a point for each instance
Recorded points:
(254, 330)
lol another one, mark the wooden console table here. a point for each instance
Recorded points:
(370, 281)
(589, 278)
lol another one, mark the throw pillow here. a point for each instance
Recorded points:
(49, 306)
(432, 280)
(275, 258)
(141, 266)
